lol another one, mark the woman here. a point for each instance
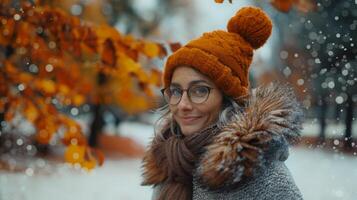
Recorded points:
(217, 139)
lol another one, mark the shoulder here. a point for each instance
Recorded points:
(272, 119)
(274, 182)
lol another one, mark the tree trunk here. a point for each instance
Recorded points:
(348, 122)
(337, 113)
(97, 125)
(322, 119)
(98, 111)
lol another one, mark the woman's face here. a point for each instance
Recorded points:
(193, 117)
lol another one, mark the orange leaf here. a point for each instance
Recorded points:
(95, 154)
(11, 110)
(146, 89)
(6, 30)
(301, 5)
(4, 88)
(10, 68)
(9, 115)
(46, 127)
(46, 86)
(51, 110)
(175, 46)
(90, 39)
(163, 51)
(74, 154)
(108, 53)
(30, 111)
(89, 164)
(151, 49)
(2, 105)
(155, 77)
(306, 5)
(129, 65)
(132, 103)
(78, 99)
(105, 31)
(82, 155)
(63, 89)
(282, 5)
(25, 78)
(43, 136)
(221, 1)
(23, 36)
(74, 137)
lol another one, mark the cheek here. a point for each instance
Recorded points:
(173, 109)
(174, 112)
(211, 111)
(212, 116)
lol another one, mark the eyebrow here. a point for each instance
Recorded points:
(191, 83)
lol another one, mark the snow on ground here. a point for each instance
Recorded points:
(323, 176)
(116, 180)
(318, 174)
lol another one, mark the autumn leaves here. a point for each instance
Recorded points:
(51, 60)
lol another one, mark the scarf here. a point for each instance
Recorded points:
(179, 155)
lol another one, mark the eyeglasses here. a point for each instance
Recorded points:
(196, 94)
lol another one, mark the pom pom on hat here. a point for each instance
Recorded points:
(252, 24)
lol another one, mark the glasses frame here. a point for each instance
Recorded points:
(188, 94)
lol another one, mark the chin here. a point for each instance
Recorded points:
(189, 130)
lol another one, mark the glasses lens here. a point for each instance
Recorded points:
(198, 94)
(172, 95)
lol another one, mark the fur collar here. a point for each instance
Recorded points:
(271, 114)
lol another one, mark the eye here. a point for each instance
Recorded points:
(175, 92)
(199, 91)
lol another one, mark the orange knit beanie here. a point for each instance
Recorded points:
(223, 56)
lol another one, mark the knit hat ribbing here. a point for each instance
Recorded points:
(223, 56)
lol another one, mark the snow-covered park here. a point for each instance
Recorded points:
(320, 175)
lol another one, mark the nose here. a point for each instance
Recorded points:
(185, 103)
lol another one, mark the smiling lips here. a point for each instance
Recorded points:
(188, 120)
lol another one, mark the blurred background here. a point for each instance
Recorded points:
(80, 81)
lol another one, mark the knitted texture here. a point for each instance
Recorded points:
(273, 181)
(225, 57)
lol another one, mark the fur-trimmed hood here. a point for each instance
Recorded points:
(270, 120)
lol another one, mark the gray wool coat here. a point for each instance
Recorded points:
(270, 123)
